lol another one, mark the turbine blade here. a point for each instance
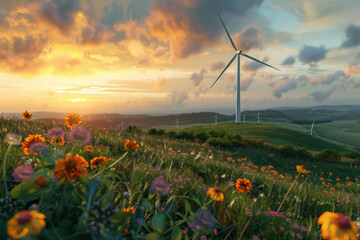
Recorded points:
(245, 55)
(224, 70)
(232, 43)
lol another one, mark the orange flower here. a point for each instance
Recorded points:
(30, 140)
(58, 140)
(41, 181)
(98, 161)
(336, 226)
(131, 145)
(70, 168)
(322, 179)
(243, 185)
(26, 115)
(73, 120)
(89, 148)
(216, 193)
(130, 209)
(216, 176)
(301, 169)
(4, 129)
(25, 223)
(350, 183)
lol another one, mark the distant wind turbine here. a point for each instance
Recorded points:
(259, 118)
(216, 119)
(237, 54)
(177, 122)
(244, 116)
(311, 130)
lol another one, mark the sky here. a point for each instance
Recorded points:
(162, 56)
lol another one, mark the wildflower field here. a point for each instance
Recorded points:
(73, 181)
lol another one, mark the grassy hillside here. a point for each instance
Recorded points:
(166, 188)
(275, 135)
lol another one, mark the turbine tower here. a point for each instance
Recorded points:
(216, 118)
(237, 55)
(259, 118)
(244, 116)
(177, 122)
(311, 130)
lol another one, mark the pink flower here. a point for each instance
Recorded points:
(203, 237)
(282, 228)
(298, 235)
(303, 229)
(256, 237)
(296, 225)
(23, 173)
(292, 234)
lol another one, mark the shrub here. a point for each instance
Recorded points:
(328, 155)
(201, 135)
(152, 131)
(132, 129)
(171, 134)
(220, 143)
(160, 132)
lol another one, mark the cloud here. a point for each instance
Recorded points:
(60, 13)
(245, 81)
(95, 35)
(352, 33)
(354, 67)
(188, 27)
(288, 61)
(199, 76)
(159, 83)
(310, 54)
(288, 84)
(319, 96)
(217, 67)
(250, 37)
(201, 90)
(18, 54)
(329, 78)
(3, 19)
(177, 98)
(253, 66)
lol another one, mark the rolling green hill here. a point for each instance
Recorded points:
(275, 135)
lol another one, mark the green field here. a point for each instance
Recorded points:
(275, 135)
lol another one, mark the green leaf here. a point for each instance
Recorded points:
(169, 205)
(91, 188)
(2, 229)
(147, 205)
(176, 234)
(153, 236)
(24, 189)
(158, 222)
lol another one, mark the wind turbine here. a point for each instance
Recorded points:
(311, 130)
(177, 122)
(216, 119)
(244, 116)
(259, 118)
(237, 55)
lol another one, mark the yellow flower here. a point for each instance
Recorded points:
(131, 145)
(30, 140)
(216, 193)
(25, 223)
(73, 120)
(70, 168)
(26, 115)
(337, 226)
(301, 169)
(243, 185)
(57, 140)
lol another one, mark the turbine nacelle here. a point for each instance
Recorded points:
(238, 52)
